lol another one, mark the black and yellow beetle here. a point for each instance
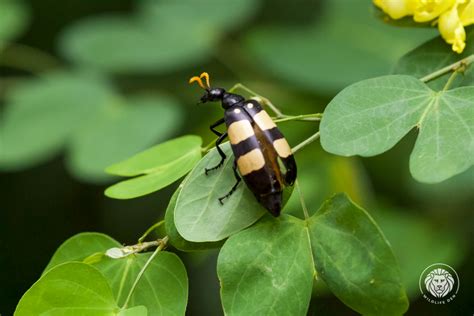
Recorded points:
(262, 154)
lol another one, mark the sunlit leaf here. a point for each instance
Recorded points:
(81, 246)
(134, 311)
(371, 116)
(161, 166)
(70, 288)
(198, 214)
(344, 45)
(119, 130)
(434, 55)
(160, 36)
(175, 238)
(355, 260)
(267, 269)
(163, 287)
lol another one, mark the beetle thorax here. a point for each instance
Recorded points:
(230, 99)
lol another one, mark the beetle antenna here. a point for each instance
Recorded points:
(206, 76)
(197, 79)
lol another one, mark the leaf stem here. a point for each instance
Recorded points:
(302, 202)
(149, 230)
(450, 80)
(314, 117)
(261, 98)
(306, 142)
(454, 66)
(162, 244)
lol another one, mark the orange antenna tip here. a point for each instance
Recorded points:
(205, 75)
(198, 80)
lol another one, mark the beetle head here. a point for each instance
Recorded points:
(212, 94)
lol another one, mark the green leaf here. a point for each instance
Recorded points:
(81, 246)
(198, 214)
(156, 157)
(436, 54)
(445, 145)
(371, 116)
(267, 269)
(119, 130)
(355, 260)
(134, 311)
(41, 115)
(13, 19)
(341, 47)
(70, 288)
(161, 165)
(175, 238)
(161, 36)
(163, 288)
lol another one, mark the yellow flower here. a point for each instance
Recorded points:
(451, 16)
(466, 13)
(427, 10)
(396, 9)
(452, 30)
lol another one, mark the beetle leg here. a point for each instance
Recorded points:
(214, 125)
(238, 178)
(221, 153)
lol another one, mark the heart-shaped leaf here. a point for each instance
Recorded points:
(158, 166)
(163, 288)
(371, 116)
(199, 216)
(269, 268)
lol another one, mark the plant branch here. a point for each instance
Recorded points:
(303, 203)
(453, 67)
(162, 244)
(314, 117)
(306, 142)
(261, 99)
(450, 80)
(149, 230)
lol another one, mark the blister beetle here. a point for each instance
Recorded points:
(262, 154)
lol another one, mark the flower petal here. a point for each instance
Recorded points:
(427, 10)
(466, 13)
(452, 30)
(396, 9)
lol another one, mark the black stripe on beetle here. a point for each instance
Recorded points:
(262, 156)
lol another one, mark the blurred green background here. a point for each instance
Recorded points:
(86, 84)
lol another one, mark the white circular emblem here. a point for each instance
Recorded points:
(439, 283)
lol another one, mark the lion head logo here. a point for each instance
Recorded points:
(439, 282)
